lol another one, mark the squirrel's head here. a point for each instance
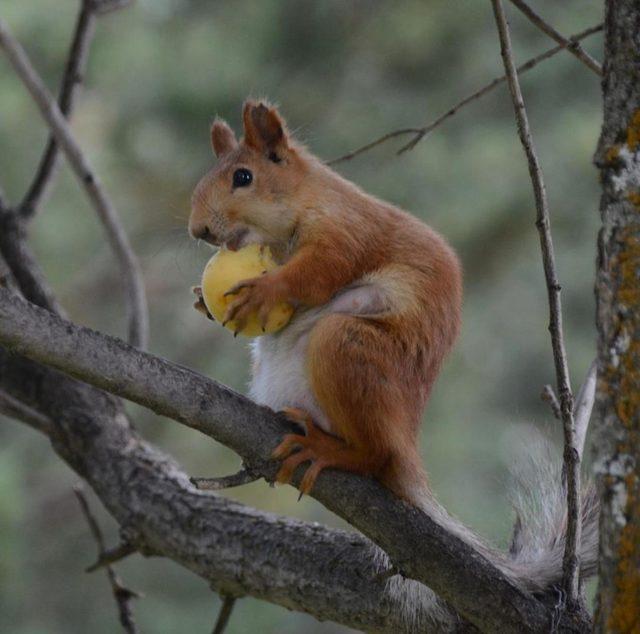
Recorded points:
(249, 196)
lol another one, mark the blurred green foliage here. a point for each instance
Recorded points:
(343, 72)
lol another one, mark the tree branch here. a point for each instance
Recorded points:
(12, 407)
(225, 482)
(423, 131)
(584, 406)
(330, 574)
(121, 594)
(549, 396)
(573, 47)
(571, 563)
(427, 552)
(224, 615)
(113, 555)
(22, 264)
(71, 81)
(137, 305)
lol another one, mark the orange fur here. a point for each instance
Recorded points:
(370, 374)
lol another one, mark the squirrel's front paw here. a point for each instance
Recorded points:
(199, 304)
(256, 295)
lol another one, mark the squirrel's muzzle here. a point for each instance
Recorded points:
(203, 232)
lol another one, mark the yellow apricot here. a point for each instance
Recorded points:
(227, 268)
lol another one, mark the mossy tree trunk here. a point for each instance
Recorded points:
(618, 299)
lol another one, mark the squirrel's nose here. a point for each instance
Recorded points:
(202, 232)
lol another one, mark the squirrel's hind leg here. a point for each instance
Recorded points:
(358, 378)
(319, 448)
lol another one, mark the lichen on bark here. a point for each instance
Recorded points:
(617, 440)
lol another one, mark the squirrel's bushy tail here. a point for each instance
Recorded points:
(534, 559)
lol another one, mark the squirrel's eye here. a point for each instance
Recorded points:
(242, 177)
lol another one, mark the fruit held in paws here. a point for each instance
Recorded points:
(224, 270)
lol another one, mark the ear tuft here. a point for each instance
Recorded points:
(223, 139)
(264, 129)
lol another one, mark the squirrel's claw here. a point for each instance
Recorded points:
(234, 290)
(199, 304)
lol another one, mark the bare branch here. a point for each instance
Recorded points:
(226, 482)
(421, 132)
(328, 573)
(113, 555)
(375, 143)
(137, 304)
(549, 396)
(584, 406)
(572, 46)
(223, 616)
(459, 572)
(571, 563)
(69, 88)
(10, 406)
(22, 263)
(121, 594)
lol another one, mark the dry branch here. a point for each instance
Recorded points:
(137, 303)
(121, 594)
(24, 267)
(423, 131)
(225, 482)
(12, 407)
(584, 406)
(71, 81)
(549, 396)
(571, 563)
(572, 46)
(112, 555)
(330, 574)
(426, 552)
(224, 615)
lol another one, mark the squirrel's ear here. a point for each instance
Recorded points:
(264, 130)
(223, 139)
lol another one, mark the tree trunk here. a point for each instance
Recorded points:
(618, 299)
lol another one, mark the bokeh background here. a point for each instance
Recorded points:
(343, 72)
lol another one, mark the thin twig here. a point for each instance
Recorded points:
(421, 132)
(573, 47)
(374, 143)
(122, 595)
(112, 555)
(137, 303)
(225, 482)
(69, 88)
(570, 564)
(549, 396)
(224, 614)
(14, 408)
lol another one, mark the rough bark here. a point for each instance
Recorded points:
(426, 552)
(330, 574)
(618, 298)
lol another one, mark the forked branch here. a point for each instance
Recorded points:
(421, 132)
(572, 46)
(137, 303)
(69, 87)
(121, 594)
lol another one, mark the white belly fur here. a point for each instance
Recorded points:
(279, 376)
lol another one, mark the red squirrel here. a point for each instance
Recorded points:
(378, 296)
(378, 299)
